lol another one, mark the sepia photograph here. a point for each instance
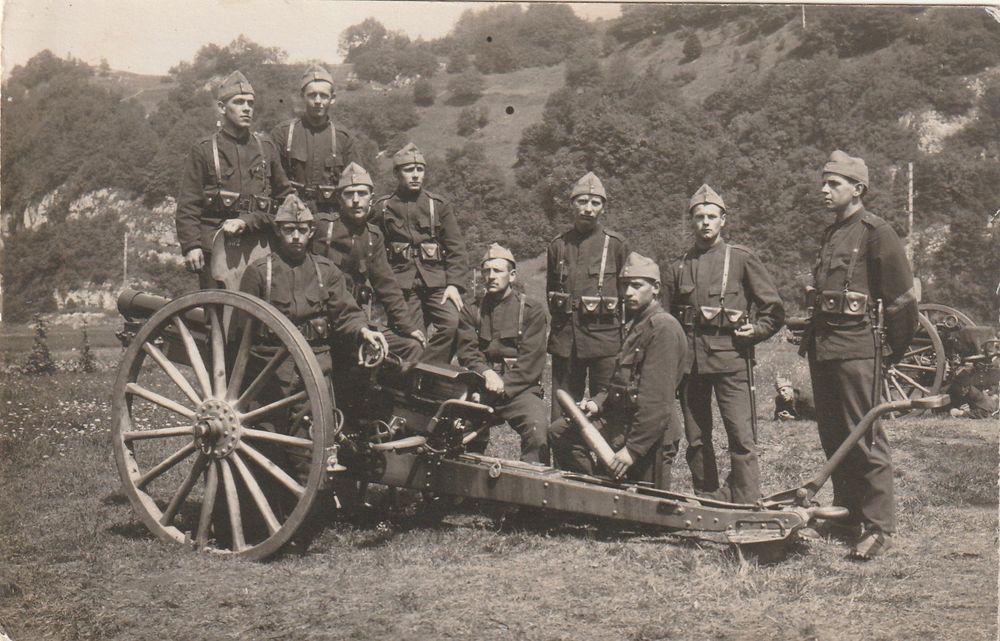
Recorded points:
(420, 320)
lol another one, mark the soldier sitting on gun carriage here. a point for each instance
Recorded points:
(503, 338)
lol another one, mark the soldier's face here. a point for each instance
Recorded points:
(318, 97)
(707, 221)
(786, 393)
(639, 293)
(238, 110)
(838, 192)
(355, 201)
(294, 238)
(586, 209)
(497, 275)
(410, 177)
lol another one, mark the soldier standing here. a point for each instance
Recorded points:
(862, 266)
(426, 250)
(504, 340)
(711, 290)
(637, 413)
(357, 248)
(582, 266)
(232, 180)
(314, 149)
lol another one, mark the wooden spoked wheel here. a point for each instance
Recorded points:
(946, 316)
(921, 371)
(210, 450)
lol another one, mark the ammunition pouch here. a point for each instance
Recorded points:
(400, 252)
(320, 194)
(316, 331)
(363, 294)
(225, 204)
(503, 366)
(686, 314)
(560, 304)
(623, 396)
(430, 252)
(596, 306)
(720, 317)
(842, 308)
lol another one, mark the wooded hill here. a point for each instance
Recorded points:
(664, 98)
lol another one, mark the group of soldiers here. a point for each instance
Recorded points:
(626, 339)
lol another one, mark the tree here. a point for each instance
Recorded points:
(583, 68)
(39, 361)
(423, 93)
(692, 47)
(87, 362)
(368, 35)
(466, 87)
(472, 119)
(458, 61)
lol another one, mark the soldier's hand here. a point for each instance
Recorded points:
(375, 339)
(451, 293)
(194, 259)
(588, 406)
(744, 331)
(620, 463)
(493, 382)
(418, 335)
(234, 227)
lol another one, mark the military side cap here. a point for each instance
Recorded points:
(782, 382)
(355, 174)
(293, 210)
(848, 166)
(233, 85)
(314, 73)
(638, 266)
(498, 251)
(706, 196)
(590, 184)
(408, 155)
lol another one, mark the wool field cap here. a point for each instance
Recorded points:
(293, 210)
(496, 250)
(315, 73)
(233, 85)
(408, 155)
(706, 196)
(782, 382)
(848, 166)
(355, 174)
(590, 184)
(638, 266)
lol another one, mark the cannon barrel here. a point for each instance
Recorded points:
(135, 306)
(797, 323)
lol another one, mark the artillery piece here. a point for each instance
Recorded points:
(209, 460)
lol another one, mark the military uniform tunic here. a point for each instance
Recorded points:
(312, 159)
(717, 359)
(842, 356)
(581, 343)
(638, 411)
(507, 335)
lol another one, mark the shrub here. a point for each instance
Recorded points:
(466, 87)
(472, 119)
(39, 361)
(423, 93)
(692, 48)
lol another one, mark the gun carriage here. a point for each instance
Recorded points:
(211, 457)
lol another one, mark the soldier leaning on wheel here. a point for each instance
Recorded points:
(711, 290)
(503, 338)
(861, 262)
(637, 413)
(232, 180)
(582, 285)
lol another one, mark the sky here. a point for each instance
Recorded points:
(149, 37)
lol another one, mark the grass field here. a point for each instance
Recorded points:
(78, 564)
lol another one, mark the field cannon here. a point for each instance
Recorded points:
(211, 457)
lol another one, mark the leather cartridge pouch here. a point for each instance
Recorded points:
(221, 200)
(559, 303)
(325, 194)
(595, 306)
(686, 314)
(430, 251)
(315, 329)
(721, 317)
(843, 308)
(399, 252)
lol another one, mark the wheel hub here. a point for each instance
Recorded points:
(217, 428)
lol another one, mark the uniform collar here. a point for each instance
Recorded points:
(596, 231)
(408, 196)
(243, 137)
(315, 128)
(698, 251)
(853, 218)
(651, 309)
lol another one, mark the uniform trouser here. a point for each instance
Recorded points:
(349, 382)
(426, 309)
(570, 452)
(732, 393)
(526, 415)
(205, 280)
(570, 374)
(863, 482)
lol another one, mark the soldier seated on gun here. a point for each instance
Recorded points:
(790, 403)
(637, 414)
(503, 338)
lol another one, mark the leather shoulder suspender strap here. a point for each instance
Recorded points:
(854, 257)
(267, 281)
(433, 226)
(215, 160)
(333, 140)
(263, 159)
(288, 141)
(520, 319)
(329, 234)
(319, 280)
(604, 263)
(725, 276)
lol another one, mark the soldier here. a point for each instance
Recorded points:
(861, 267)
(426, 250)
(356, 247)
(711, 290)
(314, 149)
(232, 179)
(504, 340)
(582, 266)
(790, 403)
(637, 413)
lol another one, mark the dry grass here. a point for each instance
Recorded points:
(79, 565)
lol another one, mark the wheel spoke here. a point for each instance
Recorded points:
(165, 465)
(280, 439)
(271, 467)
(233, 507)
(256, 493)
(162, 401)
(918, 350)
(208, 504)
(902, 393)
(251, 392)
(166, 432)
(913, 382)
(242, 358)
(218, 352)
(194, 355)
(171, 370)
(922, 368)
(184, 490)
(253, 415)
